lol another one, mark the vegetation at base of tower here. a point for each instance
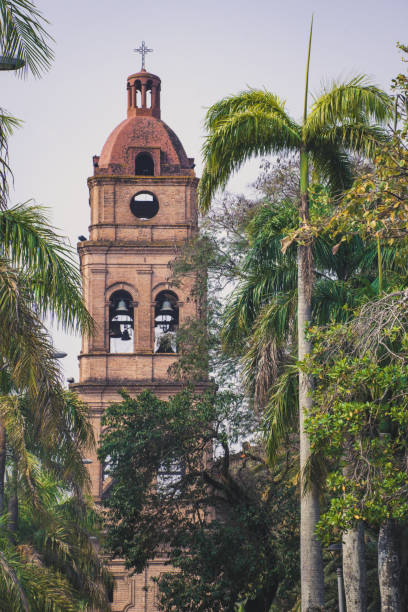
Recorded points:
(215, 511)
(48, 520)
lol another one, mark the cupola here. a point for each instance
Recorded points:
(143, 95)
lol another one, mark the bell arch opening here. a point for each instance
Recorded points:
(138, 94)
(149, 94)
(144, 164)
(166, 322)
(121, 324)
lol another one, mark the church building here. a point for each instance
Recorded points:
(143, 207)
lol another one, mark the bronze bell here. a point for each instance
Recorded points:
(167, 308)
(121, 308)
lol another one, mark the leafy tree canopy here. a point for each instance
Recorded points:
(180, 483)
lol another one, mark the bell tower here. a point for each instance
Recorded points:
(142, 207)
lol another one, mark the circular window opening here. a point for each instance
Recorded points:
(144, 205)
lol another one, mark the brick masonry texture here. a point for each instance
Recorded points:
(124, 252)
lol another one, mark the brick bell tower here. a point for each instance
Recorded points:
(143, 206)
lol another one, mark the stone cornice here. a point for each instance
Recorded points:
(146, 223)
(108, 179)
(98, 388)
(114, 247)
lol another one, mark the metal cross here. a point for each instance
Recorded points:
(143, 50)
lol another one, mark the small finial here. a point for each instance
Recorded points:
(143, 50)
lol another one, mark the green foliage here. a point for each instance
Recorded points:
(7, 125)
(23, 36)
(188, 490)
(49, 561)
(47, 263)
(260, 320)
(360, 420)
(61, 537)
(255, 122)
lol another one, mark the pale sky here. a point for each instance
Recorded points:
(202, 52)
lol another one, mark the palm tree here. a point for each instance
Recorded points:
(255, 122)
(38, 276)
(260, 325)
(51, 554)
(23, 37)
(52, 517)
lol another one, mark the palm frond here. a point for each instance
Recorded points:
(267, 345)
(23, 36)
(332, 301)
(13, 420)
(62, 538)
(9, 582)
(281, 415)
(252, 99)
(348, 102)
(29, 357)
(331, 165)
(73, 436)
(315, 471)
(266, 272)
(250, 297)
(7, 125)
(239, 137)
(31, 244)
(360, 138)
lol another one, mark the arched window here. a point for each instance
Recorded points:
(144, 165)
(166, 320)
(121, 323)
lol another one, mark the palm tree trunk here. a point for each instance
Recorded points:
(311, 563)
(13, 504)
(354, 569)
(2, 467)
(389, 567)
(354, 563)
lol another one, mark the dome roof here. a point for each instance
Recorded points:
(143, 133)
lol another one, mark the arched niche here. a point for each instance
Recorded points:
(166, 322)
(121, 323)
(144, 165)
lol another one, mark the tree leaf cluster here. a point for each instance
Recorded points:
(182, 489)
